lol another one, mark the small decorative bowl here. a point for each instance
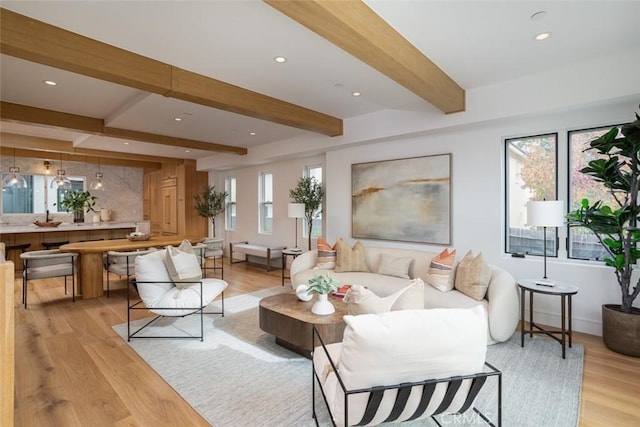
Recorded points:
(138, 238)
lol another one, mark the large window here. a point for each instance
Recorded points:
(38, 197)
(230, 209)
(583, 244)
(531, 174)
(265, 215)
(316, 230)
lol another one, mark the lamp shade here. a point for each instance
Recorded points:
(296, 210)
(545, 213)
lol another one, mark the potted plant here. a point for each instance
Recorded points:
(78, 201)
(616, 227)
(309, 192)
(210, 203)
(322, 285)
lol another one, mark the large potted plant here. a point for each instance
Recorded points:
(309, 192)
(78, 201)
(616, 227)
(210, 203)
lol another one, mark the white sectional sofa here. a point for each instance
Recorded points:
(501, 302)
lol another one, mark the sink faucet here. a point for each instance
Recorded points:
(46, 219)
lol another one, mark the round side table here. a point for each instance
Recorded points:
(289, 253)
(565, 292)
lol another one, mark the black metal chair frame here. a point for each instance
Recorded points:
(139, 305)
(404, 390)
(214, 268)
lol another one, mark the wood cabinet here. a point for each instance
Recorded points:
(168, 200)
(169, 206)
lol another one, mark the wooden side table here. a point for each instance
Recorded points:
(288, 253)
(565, 292)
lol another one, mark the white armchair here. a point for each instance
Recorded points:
(122, 264)
(162, 295)
(404, 365)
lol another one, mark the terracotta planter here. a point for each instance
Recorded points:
(621, 331)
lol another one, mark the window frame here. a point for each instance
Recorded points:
(318, 229)
(230, 187)
(555, 248)
(265, 205)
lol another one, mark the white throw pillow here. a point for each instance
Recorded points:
(183, 266)
(397, 267)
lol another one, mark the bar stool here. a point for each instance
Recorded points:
(22, 246)
(53, 245)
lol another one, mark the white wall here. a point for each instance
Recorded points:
(478, 200)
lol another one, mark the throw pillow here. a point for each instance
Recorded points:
(326, 255)
(183, 266)
(473, 276)
(361, 300)
(440, 274)
(350, 259)
(397, 267)
(412, 298)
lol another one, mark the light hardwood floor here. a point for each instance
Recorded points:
(73, 370)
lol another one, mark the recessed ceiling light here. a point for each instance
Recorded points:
(50, 82)
(177, 119)
(126, 143)
(280, 59)
(187, 151)
(356, 93)
(252, 133)
(542, 36)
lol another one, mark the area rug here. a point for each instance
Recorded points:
(238, 376)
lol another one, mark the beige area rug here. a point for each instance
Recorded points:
(239, 377)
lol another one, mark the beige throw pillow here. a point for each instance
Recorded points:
(440, 274)
(361, 300)
(182, 265)
(350, 259)
(397, 267)
(473, 276)
(412, 298)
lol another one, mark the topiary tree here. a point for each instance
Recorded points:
(309, 192)
(210, 203)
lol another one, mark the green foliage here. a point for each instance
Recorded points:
(77, 201)
(309, 192)
(322, 284)
(210, 203)
(618, 170)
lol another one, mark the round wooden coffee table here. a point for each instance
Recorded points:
(291, 321)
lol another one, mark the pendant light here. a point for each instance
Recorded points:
(97, 184)
(61, 182)
(13, 179)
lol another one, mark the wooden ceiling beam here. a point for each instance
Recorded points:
(355, 28)
(26, 114)
(46, 147)
(37, 41)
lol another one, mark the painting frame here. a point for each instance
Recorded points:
(407, 199)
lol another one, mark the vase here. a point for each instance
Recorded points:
(621, 331)
(323, 306)
(78, 216)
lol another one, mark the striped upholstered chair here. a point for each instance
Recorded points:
(405, 365)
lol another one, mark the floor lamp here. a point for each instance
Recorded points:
(545, 213)
(296, 210)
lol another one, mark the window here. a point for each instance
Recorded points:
(583, 244)
(531, 174)
(316, 229)
(230, 209)
(38, 197)
(265, 216)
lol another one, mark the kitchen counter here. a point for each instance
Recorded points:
(71, 226)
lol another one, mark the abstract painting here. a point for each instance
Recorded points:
(404, 199)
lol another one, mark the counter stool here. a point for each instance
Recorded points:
(53, 245)
(22, 246)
